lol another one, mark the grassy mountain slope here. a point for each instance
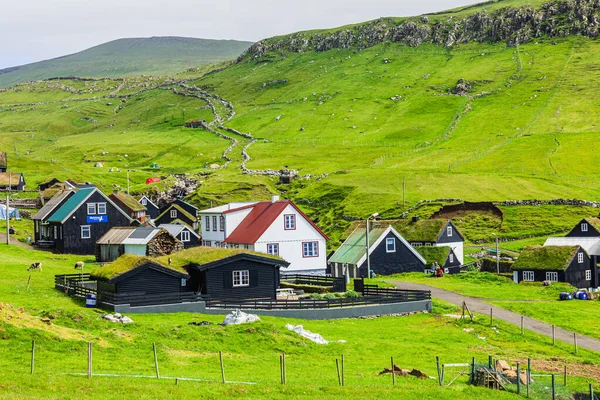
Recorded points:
(476, 121)
(129, 57)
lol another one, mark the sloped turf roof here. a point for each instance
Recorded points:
(433, 254)
(179, 209)
(129, 201)
(545, 258)
(195, 255)
(353, 248)
(2, 159)
(595, 222)
(12, 178)
(424, 230)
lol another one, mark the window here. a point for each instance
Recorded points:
(91, 208)
(222, 225)
(273, 249)
(580, 258)
(428, 244)
(588, 275)
(528, 276)
(310, 249)
(552, 276)
(55, 232)
(290, 221)
(173, 213)
(214, 222)
(417, 244)
(86, 231)
(584, 227)
(101, 208)
(144, 201)
(241, 278)
(185, 236)
(207, 223)
(451, 257)
(449, 231)
(390, 245)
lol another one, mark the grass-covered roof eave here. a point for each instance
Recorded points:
(545, 258)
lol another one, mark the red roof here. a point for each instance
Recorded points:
(260, 219)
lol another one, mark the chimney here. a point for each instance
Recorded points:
(274, 199)
(115, 192)
(415, 219)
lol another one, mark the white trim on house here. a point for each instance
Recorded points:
(528, 276)
(399, 237)
(108, 200)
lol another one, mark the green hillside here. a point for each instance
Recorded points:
(129, 57)
(513, 116)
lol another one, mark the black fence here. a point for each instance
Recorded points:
(336, 284)
(79, 285)
(341, 302)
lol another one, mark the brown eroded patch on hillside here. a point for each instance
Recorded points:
(20, 319)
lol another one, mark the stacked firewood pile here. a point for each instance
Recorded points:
(163, 244)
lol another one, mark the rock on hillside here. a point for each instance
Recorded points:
(512, 25)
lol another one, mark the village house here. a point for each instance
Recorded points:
(212, 273)
(389, 253)
(276, 227)
(3, 161)
(442, 256)
(10, 180)
(128, 204)
(143, 241)
(184, 234)
(431, 233)
(570, 264)
(586, 233)
(152, 209)
(73, 221)
(178, 212)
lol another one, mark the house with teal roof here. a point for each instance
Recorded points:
(79, 219)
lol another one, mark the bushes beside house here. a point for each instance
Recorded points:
(306, 288)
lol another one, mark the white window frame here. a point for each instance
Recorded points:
(185, 236)
(101, 205)
(588, 274)
(584, 227)
(392, 242)
(222, 223)
(207, 223)
(173, 214)
(241, 278)
(417, 244)
(310, 249)
(451, 257)
(528, 276)
(449, 231)
(91, 208)
(273, 249)
(289, 222)
(89, 231)
(552, 276)
(428, 244)
(144, 201)
(580, 258)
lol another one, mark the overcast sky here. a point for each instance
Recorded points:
(34, 30)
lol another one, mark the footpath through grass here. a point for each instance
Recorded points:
(251, 352)
(530, 299)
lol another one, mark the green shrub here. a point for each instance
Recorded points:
(329, 296)
(351, 293)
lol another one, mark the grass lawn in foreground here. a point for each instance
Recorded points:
(251, 352)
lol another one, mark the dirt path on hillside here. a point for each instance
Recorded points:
(14, 242)
(478, 306)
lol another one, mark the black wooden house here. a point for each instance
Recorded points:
(152, 210)
(570, 264)
(178, 212)
(389, 253)
(77, 223)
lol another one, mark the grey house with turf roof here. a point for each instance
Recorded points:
(570, 264)
(443, 256)
(389, 253)
(80, 221)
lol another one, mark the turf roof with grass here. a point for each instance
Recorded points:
(595, 222)
(179, 209)
(425, 230)
(433, 254)
(545, 258)
(194, 256)
(129, 201)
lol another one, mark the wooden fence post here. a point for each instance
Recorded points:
(522, 325)
(393, 372)
(222, 367)
(89, 359)
(565, 380)
(439, 371)
(337, 367)
(528, 375)
(28, 282)
(155, 360)
(491, 316)
(518, 378)
(553, 388)
(591, 392)
(575, 341)
(281, 368)
(32, 355)
(343, 371)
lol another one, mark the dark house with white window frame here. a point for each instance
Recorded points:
(570, 264)
(178, 212)
(81, 220)
(183, 233)
(152, 210)
(443, 256)
(389, 253)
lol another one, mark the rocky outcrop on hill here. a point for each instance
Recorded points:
(511, 25)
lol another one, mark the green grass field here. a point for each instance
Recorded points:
(251, 352)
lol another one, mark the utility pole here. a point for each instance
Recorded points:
(127, 182)
(374, 215)
(403, 194)
(7, 221)
(497, 257)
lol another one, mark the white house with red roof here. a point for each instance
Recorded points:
(275, 227)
